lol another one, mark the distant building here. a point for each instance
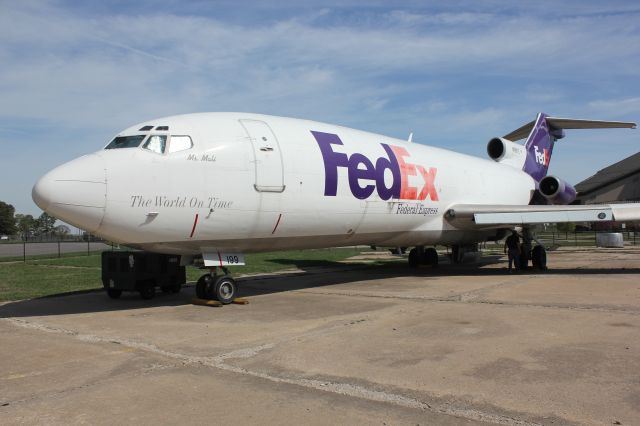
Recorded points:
(618, 182)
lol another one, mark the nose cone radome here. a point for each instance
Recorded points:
(75, 192)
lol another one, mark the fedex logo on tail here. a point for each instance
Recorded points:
(366, 176)
(542, 158)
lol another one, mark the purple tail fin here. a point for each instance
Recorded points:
(539, 146)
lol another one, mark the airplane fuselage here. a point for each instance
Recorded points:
(252, 183)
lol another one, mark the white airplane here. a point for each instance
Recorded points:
(218, 185)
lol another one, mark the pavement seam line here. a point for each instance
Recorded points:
(346, 389)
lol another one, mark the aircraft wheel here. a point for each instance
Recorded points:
(524, 261)
(204, 283)
(456, 254)
(114, 293)
(148, 292)
(431, 256)
(225, 289)
(414, 258)
(539, 258)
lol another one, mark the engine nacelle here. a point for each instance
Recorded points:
(506, 152)
(557, 191)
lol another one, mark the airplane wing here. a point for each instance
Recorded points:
(482, 216)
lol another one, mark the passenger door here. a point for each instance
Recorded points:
(268, 158)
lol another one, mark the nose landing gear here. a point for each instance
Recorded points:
(222, 288)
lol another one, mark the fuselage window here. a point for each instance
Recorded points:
(156, 143)
(126, 142)
(180, 143)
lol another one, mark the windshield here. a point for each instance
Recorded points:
(180, 143)
(126, 142)
(156, 143)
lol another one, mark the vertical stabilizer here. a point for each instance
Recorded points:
(539, 146)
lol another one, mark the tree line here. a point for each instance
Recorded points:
(26, 226)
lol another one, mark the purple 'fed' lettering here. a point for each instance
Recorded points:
(365, 176)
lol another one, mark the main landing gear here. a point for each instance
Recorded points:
(539, 258)
(222, 288)
(537, 254)
(423, 256)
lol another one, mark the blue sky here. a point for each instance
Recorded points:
(73, 74)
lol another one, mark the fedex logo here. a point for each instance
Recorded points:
(365, 176)
(542, 158)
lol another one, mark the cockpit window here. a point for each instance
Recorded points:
(180, 143)
(126, 142)
(156, 143)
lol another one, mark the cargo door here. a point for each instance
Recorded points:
(268, 158)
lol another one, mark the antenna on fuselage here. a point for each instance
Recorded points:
(410, 137)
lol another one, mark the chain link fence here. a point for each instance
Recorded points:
(25, 250)
(554, 238)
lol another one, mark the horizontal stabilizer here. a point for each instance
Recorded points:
(521, 132)
(569, 123)
(572, 123)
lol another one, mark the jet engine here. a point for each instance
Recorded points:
(557, 191)
(504, 151)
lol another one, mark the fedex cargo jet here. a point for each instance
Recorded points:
(211, 187)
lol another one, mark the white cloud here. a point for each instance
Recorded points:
(74, 59)
(620, 106)
(412, 19)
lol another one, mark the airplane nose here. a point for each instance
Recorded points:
(74, 192)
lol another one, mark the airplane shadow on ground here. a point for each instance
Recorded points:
(312, 274)
(350, 273)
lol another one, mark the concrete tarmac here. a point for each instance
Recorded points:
(350, 345)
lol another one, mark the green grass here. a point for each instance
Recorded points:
(25, 281)
(82, 261)
(47, 276)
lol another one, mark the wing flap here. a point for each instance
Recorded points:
(626, 212)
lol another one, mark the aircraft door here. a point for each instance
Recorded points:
(268, 158)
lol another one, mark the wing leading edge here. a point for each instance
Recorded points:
(478, 216)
